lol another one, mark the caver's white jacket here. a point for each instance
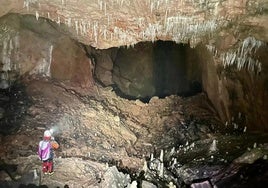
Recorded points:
(45, 150)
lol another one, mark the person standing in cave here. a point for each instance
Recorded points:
(46, 152)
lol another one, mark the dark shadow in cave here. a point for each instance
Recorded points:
(158, 69)
(15, 103)
(171, 69)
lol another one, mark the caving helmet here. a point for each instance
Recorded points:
(47, 135)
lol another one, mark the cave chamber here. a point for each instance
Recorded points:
(166, 107)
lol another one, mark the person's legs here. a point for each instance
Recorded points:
(45, 167)
(50, 166)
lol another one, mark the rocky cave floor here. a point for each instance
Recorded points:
(108, 141)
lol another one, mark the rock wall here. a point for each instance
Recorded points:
(70, 64)
(104, 64)
(134, 71)
(31, 49)
(238, 90)
(212, 84)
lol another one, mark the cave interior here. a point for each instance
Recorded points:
(167, 113)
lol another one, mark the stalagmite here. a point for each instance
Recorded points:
(35, 174)
(161, 156)
(172, 151)
(134, 184)
(145, 166)
(245, 129)
(255, 145)
(171, 185)
(213, 146)
(152, 157)
(174, 163)
(235, 126)
(192, 145)
(161, 170)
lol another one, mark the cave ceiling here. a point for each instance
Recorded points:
(112, 23)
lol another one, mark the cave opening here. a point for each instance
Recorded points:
(149, 69)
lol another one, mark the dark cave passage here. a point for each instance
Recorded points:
(158, 69)
(171, 71)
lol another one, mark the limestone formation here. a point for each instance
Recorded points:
(98, 70)
(234, 34)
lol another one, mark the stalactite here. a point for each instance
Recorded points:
(81, 27)
(105, 33)
(100, 5)
(105, 9)
(36, 15)
(242, 56)
(152, 7)
(6, 52)
(179, 27)
(157, 5)
(43, 65)
(140, 21)
(95, 32)
(121, 3)
(27, 3)
(88, 24)
(84, 27)
(211, 49)
(69, 23)
(76, 27)
(48, 73)
(10, 47)
(58, 20)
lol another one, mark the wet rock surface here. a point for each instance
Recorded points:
(107, 140)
